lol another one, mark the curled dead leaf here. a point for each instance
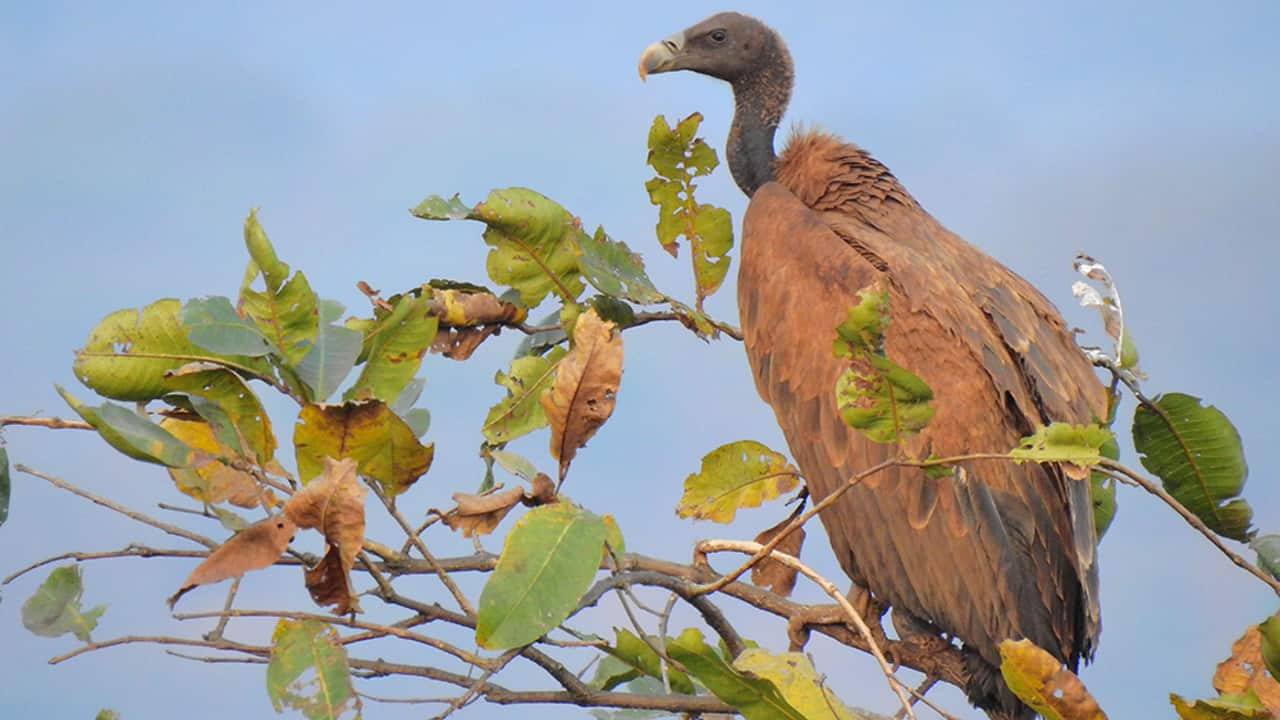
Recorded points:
(256, 547)
(769, 572)
(333, 503)
(543, 492)
(329, 583)
(457, 307)
(460, 343)
(585, 388)
(1245, 670)
(480, 514)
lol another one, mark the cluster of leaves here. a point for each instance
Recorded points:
(190, 369)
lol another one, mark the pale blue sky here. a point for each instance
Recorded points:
(135, 136)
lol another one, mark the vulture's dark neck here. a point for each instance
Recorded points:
(760, 98)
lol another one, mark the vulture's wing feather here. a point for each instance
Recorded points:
(989, 555)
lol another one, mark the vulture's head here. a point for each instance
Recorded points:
(729, 46)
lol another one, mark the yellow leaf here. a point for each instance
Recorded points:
(1045, 684)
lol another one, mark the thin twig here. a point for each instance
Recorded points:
(53, 423)
(440, 572)
(133, 550)
(1124, 473)
(752, 548)
(216, 633)
(133, 514)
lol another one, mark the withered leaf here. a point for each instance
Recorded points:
(210, 480)
(585, 388)
(462, 307)
(1045, 684)
(256, 547)
(1245, 670)
(460, 343)
(543, 492)
(480, 514)
(330, 584)
(769, 572)
(333, 503)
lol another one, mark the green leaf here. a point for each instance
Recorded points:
(247, 422)
(396, 346)
(1268, 549)
(614, 310)
(308, 671)
(639, 658)
(1224, 707)
(1196, 451)
(876, 395)
(132, 434)
(384, 447)
(4, 485)
(516, 464)
(611, 267)
(1269, 630)
(214, 325)
(520, 413)
(107, 714)
(737, 475)
(1102, 489)
(438, 208)
(1078, 447)
(547, 563)
(755, 698)
(711, 242)
(332, 355)
(418, 420)
(263, 255)
(862, 331)
(795, 676)
(129, 352)
(54, 608)
(678, 158)
(883, 399)
(540, 342)
(287, 317)
(534, 241)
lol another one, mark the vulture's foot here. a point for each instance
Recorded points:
(916, 635)
(870, 609)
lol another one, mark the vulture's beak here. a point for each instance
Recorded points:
(661, 56)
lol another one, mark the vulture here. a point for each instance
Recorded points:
(991, 551)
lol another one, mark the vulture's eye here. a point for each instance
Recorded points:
(719, 36)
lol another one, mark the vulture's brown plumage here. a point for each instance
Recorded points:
(997, 551)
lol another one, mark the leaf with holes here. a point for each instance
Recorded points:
(248, 422)
(520, 412)
(129, 352)
(1077, 447)
(1045, 684)
(1253, 654)
(740, 474)
(308, 671)
(547, 563)
(395, 346)
(384, 446)
(585, 389)
(1195, 450)
(611, 267)
(333, 504)
(54, 608)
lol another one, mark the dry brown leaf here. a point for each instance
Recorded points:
(769, 572)
(585, 388)
(480, 514)
(543, 492)
(1245, 671)
(253, 548)
(329, 583)
(211, 481)
(333, 503)
(463, 308)
(459, 343)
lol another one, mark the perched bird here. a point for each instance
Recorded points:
(993, 551)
